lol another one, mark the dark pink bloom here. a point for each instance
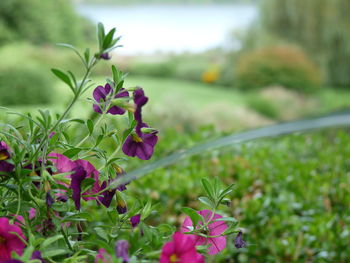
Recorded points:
(79, 170)
(122, 250)
(182, 249)
(103, 257)
(8, 241)
(140, 145)
(101, 96)
(77, 178)
(5, 166)
(216, 228)
(135, 220)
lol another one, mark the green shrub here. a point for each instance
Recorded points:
(263, 106)
(41, 22)
(280, 65)
(24, 85)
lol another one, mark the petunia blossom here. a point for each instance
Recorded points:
(101, 93)
(77, 171)
(106, 196)
(5, 166)
(182, 249)
(77, 177)
(140, 145)
(103, 257)
(239, 242)
(122, 250)
(135, 220)
(10, 242)
(215, 229)
(140, 100)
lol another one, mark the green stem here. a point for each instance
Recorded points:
(76, 96)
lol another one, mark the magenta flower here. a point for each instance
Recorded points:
(5, 167)
(122, 250)
(135, 220)
(182, 249)
(77, 178)
(216, 228)
(100, 95)
(37, 255)
(79, 170)
(9, 241)
(140, 145)
(103, 257)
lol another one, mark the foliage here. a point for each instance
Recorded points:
(284, 194)
(121, 2)
(277, 65)
(42, 22)
(25, 85)
(319, 26)
(56, 205)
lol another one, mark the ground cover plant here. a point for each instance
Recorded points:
(65, 198)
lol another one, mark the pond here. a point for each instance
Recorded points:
(172, 28)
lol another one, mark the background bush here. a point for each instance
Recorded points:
(41, 22)
(279, 65)
(321, 27)
(25, 85)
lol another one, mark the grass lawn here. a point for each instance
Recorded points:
(176, 102)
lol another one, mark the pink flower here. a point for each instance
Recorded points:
(103, 257)
(9, 241)
(182, 249)
(214, 229)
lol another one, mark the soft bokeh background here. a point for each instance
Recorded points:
(212, 67)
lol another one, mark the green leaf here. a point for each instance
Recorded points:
(90, 126)
(101, 233)
(208, 188)
(207, 201)
(100, 34)
(72, 152)
(50, 240)
(54, 252)
(108, 39)
(64, 77)
(193, 214)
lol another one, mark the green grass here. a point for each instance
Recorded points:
(192, 104)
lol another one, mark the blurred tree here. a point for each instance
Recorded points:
(321, 27)
(41, 21)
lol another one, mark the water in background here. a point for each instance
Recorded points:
(147, 29)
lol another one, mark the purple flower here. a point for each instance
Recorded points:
(5, 167)
(49, 199)
(121, 206)
(77, 178)
(135, 220)
(107, 195)
(4, 151)
(120, 173)
(140, 100)
(122, 250)
(37, 255)
(141, 145)
(105, 56)
(239, 242)
(100, 95)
